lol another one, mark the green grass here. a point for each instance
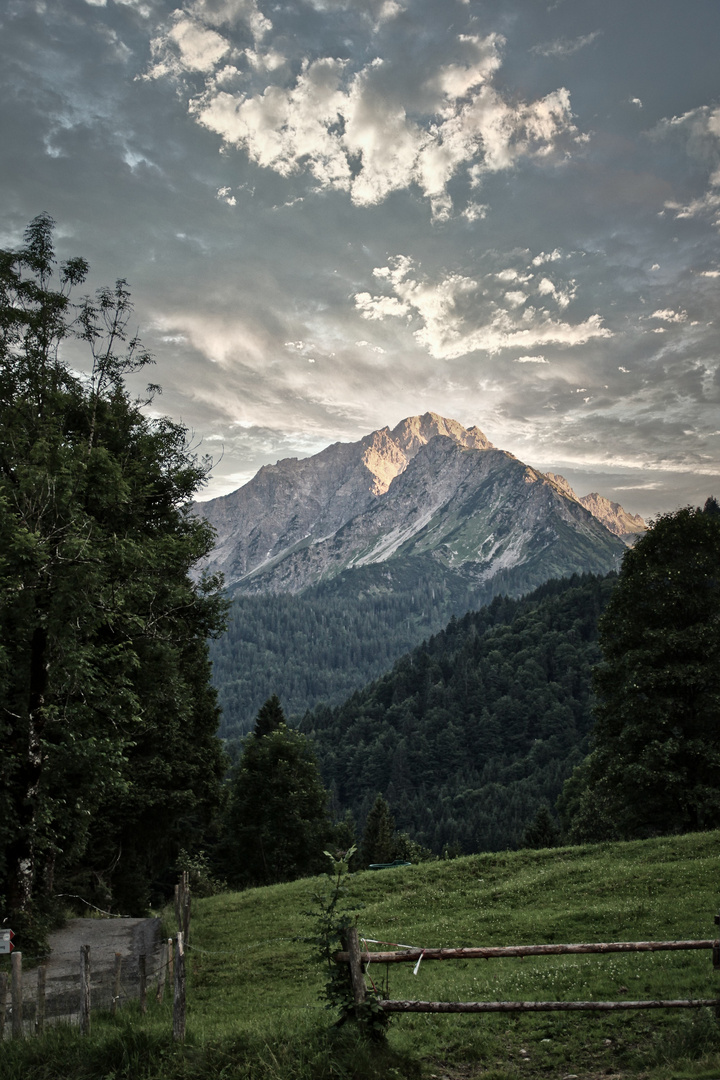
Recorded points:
(254, 1009)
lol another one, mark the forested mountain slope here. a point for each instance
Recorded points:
(340, 562)
(473, 731)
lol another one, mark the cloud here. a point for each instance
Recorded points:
(368, 130)
(455, 319)
(700, 131)
(530, 360)
(564, 47)
(562, 297)
(543, 257)
(668, 315)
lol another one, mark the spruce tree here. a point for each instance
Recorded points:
(276, 824)
(378, 842)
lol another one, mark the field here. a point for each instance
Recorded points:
(254, 1008)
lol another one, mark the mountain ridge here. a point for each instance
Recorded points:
(428, 485)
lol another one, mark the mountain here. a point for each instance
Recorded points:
(429, 487)
(341, 562)
(627, 526)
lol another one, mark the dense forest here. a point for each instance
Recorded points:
(474, 731)
(333, 638)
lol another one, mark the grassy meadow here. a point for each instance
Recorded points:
(254, 1011)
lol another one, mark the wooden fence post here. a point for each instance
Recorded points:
(17, 995)
(3, 1002)
(85, 989)
(179, 997)
(162, 972)
(142, 966)
(116, 984)
(171, 963)
(352, 944)
(40, 1006)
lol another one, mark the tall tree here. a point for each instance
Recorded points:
(103, 632)
(378, 842)
(655, 766)
(276, 823)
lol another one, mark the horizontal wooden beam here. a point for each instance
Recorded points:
(540, 1006)
(411, 956)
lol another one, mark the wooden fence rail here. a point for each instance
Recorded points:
(355, 958)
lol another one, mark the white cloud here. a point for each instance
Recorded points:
(531, 360)
(454, 319)
(636, 101)
(565, 47)
(475, 211)
(346, 128)
(547, 256)
(516, 298)
(225, 195)
(668, 315)
(562, 297)
(710, 273)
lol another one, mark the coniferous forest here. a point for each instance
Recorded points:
(473, 732)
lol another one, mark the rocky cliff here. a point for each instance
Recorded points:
(429, 487)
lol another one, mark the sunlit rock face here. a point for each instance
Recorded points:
(428, 488)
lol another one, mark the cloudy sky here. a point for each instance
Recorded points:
(337, 213)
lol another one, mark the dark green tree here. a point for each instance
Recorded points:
(276, 824)
(542, 832)
(270, 717)
(107, 723)
(655, 765)
(378, 841)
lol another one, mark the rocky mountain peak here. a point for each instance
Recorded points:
(387, 453)
(613, 516)
(416, 431)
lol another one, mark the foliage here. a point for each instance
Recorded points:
(276, 822)
(107, 719)
(331, 921)
(197, 866)
(473, 731)
(655, 763)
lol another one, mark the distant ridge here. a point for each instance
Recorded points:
(429, 487)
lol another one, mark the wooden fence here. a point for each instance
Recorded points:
(171, 967)
(357, 960)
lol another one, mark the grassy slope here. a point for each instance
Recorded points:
(254, 1010)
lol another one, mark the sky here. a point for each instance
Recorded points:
(334, 214)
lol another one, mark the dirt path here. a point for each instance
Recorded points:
(129, 937)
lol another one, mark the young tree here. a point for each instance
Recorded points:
(655, 766)
(107, 723)
(276, 824)
(378, 842)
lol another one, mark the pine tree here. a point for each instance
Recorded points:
(378, 842)
(276, 824)
(270, 717)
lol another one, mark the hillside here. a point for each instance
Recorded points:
(472, 731)
(341, 562)
(254, 1011)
